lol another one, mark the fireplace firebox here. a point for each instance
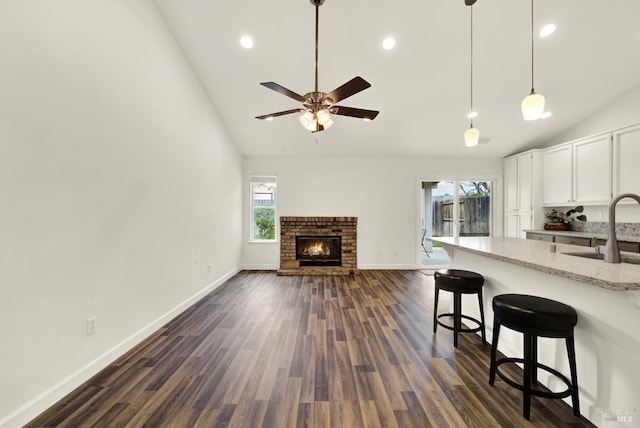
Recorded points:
(319, 250)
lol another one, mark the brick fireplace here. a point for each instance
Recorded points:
(345, 228)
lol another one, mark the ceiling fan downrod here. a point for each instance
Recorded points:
(317, 4)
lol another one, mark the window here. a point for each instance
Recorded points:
(263, 208)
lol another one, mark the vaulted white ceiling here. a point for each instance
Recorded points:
(422, 86)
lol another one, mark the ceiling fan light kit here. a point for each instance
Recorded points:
(319, 106)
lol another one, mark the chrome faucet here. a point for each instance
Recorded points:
(612, 255)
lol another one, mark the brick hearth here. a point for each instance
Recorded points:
(345, 227)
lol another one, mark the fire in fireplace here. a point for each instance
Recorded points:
(319, 250)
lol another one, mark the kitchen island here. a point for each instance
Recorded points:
(606, 297)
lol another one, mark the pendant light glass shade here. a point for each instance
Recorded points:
(471, 137)
(532, 106)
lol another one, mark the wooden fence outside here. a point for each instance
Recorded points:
(475, 214)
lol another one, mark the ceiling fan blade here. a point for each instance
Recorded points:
(352, 87)
(280, 113)
(282, 90)
(354, 112)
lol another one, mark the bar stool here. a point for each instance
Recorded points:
(535, 317)
(459, 282)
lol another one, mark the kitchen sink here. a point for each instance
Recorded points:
(597, 256)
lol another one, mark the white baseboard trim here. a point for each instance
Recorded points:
(388, 267)
(42, 402)
(261, 267)
(361, 267)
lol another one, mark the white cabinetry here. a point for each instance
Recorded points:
(558, 174)
(626, 157)
(523, 191)
(578, 173)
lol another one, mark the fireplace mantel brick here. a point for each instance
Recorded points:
(345, 227)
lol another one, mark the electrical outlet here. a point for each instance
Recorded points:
(599, 215)
(209, 268)
(91, 326)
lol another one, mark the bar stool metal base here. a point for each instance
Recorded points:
(458, 282)
(461, 329)
(537, 392)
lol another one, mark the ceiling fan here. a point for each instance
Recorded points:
(319, 106)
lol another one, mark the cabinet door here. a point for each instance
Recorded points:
(592, 170)
(626, 177)
(525, 184)
(511, 184)
(558, 175)
(524, 223)
(516, 223)
(511, 225)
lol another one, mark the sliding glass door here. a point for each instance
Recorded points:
(452, 208)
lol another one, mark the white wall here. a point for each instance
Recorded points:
(382, 193)
(118, 186)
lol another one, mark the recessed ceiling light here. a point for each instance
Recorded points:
(547, 30)
(269, 118)
(389, 43)
(545, 115)
(366, 119)
(246, 42)
(472, 115)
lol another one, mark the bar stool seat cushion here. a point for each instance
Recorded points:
(463, 281)
(533, 312)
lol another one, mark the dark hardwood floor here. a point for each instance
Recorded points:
(317, 351)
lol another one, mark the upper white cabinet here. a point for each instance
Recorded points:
(523, 193)
(626, 153)
(592, 170)
(558, 173)
(578, 173)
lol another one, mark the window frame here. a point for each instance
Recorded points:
(266, 180)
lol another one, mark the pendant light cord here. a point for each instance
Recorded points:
(531, 46)
(471, 74)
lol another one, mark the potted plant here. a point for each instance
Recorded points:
(560, 220)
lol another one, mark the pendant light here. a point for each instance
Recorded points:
(471, 135)
(533, 104)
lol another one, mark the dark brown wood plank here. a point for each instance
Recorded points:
(309, 351)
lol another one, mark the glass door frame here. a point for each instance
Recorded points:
(496, 204)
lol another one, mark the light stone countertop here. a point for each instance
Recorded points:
(539, 255)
